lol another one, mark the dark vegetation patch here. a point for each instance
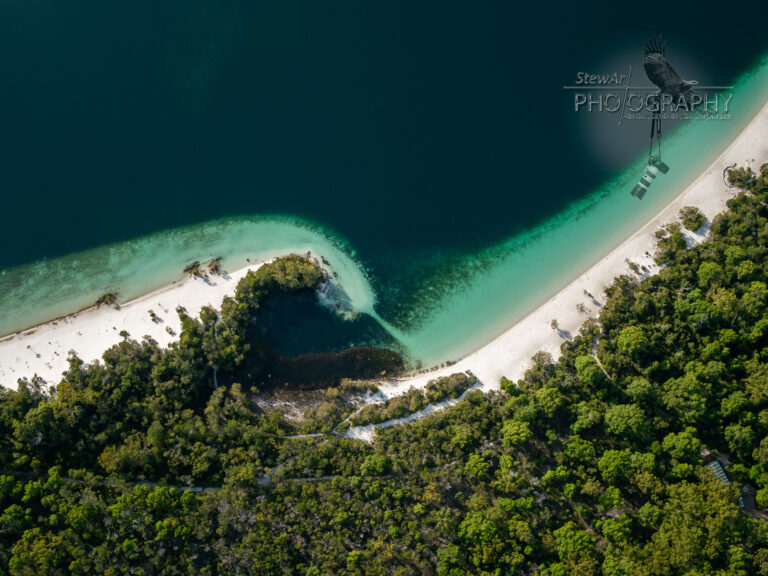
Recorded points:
(601, 463)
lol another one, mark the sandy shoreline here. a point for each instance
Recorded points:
(43, 350)
(510, 354)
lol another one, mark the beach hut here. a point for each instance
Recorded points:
(717, 468)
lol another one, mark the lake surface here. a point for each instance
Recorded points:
(429, 152)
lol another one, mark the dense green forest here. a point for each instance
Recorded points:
(593, 464)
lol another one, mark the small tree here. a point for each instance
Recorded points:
(374, 465)
(614, 465)
(514, 432)
(692, 217)
(214, 267)
(626, 420)
(741, 177)
(108, 299)
(632, 341)
(194, 269)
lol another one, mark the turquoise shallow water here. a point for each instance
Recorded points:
(427, 150)
(35, 293)
(513, 278)
(452, 309)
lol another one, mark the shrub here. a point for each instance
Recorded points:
(692, 217)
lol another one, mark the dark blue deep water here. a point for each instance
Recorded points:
(404, 127)
(415, 132)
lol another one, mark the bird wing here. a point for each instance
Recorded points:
(658, 69)
(688, 93)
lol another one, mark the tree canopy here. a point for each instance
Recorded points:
(591, 464)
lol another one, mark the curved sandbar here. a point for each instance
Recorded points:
(461, 322)
(43, 350)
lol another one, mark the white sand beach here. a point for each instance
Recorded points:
(43, 350)
(510, 354)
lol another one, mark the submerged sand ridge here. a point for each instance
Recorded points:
(43, 350)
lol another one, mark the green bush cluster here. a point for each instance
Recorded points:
(590, 465)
